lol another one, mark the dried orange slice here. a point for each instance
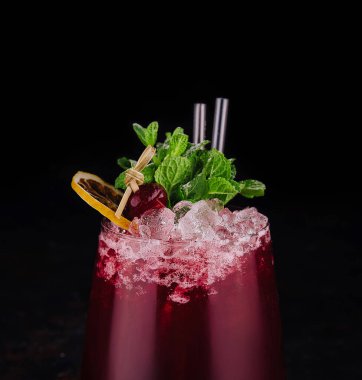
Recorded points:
(100, 195)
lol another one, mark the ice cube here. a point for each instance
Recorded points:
(159, 223)
(175, 234)
(227, 218)
(244, 214)
(145, 231)
(203, 212)
(199, 222)
(223, 233)
(249, 221)
(215, 204)
(180, 209)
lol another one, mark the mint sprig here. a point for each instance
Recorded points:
(178, 144)
(148, 136)
(251, 188)
(217, 165)
(171, 174)
(222, 189)
(196, 189)
(125, 163)
(189, 171)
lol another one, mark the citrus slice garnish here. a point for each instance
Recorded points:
(100, 195)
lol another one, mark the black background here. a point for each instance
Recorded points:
(291, 125)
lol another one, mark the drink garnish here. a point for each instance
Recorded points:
(189, 171)
(100, 195)
(150, 196)
(134, 177)
(180, 171)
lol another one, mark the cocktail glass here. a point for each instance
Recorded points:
(183, 310)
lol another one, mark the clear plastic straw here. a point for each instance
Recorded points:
(199, 122)
(220, 120)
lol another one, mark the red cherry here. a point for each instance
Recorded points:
(149, 196)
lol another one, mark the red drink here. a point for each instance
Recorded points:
(184, 310)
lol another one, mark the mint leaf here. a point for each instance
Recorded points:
(198, 159)
(156, 160)
(119, 183)
(148, 136)
(161, 153)
(178, 131)
(196, 189)
(124, 163)
(221, 188)
(217, 165)
(178, 144)
(237, 185)
(174, 145)
(149, 173)
(141, 133)
(152, 131)
(196, 147)
(195, 163)
(173, 172)
(232, 168)
(252, 188)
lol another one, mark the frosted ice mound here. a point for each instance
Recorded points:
(154, 224)
(192, 245)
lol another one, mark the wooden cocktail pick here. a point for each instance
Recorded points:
(135, 178)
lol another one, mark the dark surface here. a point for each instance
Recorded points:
(280, 136)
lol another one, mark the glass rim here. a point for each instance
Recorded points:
(122, 233)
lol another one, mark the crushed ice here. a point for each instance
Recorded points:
(191, 245)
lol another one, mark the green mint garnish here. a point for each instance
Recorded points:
(251, 188)
(125, 163)
(222, 189)
(237, 185)
(148, 136)
(217, 165)
(173, 173)
(178, 144)
(232, 168)
(189, 171)
(149, 173)
(119, 183)
(196, 189)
